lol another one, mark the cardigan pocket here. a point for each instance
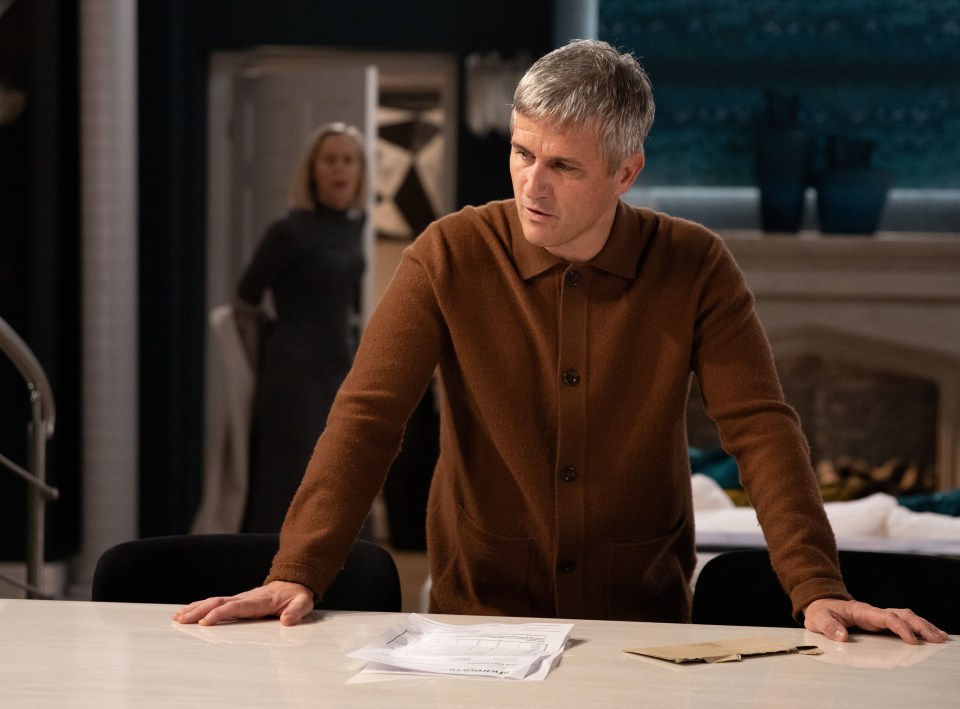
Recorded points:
(646, 582)
(489, 573)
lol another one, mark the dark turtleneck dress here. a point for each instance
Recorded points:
(313, 262)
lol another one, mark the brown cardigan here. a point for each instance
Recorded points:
(563, 484)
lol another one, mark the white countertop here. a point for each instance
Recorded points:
(83, 654)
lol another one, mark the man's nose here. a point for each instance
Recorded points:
(537, 183)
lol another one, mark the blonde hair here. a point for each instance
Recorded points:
(303, 189)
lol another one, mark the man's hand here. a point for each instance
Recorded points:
(290, 601)
(832, 616)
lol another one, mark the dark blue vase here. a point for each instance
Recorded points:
(783, 157)
(851, 193)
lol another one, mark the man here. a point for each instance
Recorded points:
(565, 325)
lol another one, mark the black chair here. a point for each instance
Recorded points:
(740, 587)
(185, 568)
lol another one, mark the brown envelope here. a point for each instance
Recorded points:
(732, 650)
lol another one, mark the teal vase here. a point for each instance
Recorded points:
(851, 193)
(783, 159)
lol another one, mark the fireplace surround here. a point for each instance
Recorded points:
(889, 303)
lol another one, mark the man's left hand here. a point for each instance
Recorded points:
(832, 616)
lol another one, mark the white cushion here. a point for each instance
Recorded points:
(878, 515)
(863, 517)
(708, 495)
(904, 523)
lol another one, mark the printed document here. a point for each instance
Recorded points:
(419, 645)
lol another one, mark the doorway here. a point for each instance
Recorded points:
(415, 152)
(411, 126)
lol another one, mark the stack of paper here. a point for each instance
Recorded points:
(418, 645)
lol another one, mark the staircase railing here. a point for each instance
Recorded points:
(39, 431)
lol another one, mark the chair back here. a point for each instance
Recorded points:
(185, 568)
(740, 587)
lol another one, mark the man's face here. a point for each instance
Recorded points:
(565, 194)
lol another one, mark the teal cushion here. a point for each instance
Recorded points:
(717, 464)
(945, 503)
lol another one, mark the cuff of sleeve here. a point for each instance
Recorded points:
(814, 589)
(303, 575)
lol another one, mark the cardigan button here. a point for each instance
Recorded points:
(568, 474)
(572, 278)
(571, 377)
(568, 567)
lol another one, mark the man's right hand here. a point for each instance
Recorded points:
(290, 601)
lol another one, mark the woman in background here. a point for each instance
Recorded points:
(312, 260)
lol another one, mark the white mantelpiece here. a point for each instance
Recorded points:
(889, 301)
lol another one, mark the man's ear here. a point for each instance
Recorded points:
(628, 171)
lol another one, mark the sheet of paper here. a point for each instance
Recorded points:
(419, 645)
(730, 650)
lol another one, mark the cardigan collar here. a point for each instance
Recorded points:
(619, 256)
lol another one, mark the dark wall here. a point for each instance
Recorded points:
(881, 71)
(39, 257)
(176, 38)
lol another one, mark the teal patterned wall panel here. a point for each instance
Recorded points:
(887, 70)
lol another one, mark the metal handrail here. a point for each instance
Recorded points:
(39, 431)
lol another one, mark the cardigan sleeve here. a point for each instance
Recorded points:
(742, 393)
(396, 359)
